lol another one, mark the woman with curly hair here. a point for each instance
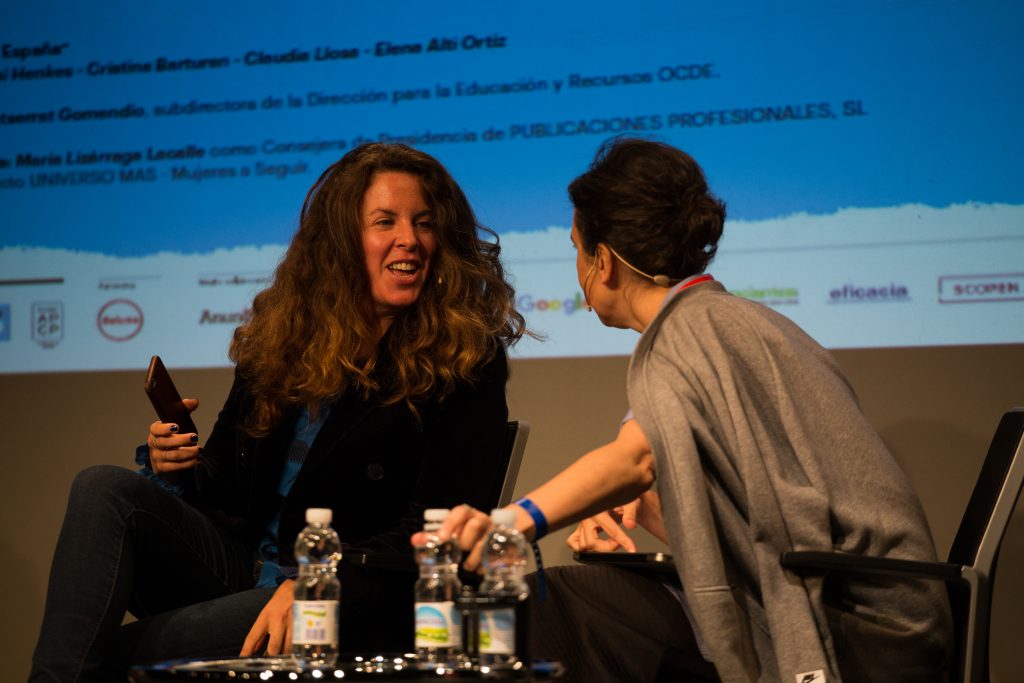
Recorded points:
(370, 380)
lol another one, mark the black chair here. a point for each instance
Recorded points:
(516, 434)
(969, 572)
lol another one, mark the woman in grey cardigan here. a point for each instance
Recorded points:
(757, 446)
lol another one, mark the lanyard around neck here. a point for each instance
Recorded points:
(688, 282)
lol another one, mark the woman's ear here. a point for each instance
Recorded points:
(605, 263)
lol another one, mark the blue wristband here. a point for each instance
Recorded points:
(540, 522)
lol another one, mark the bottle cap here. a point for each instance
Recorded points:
(503, 517)
(435, 514)
(319, 516)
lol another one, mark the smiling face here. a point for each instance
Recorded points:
(398, 241)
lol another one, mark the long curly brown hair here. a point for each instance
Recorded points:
(314, 332)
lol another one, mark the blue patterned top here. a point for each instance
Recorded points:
(272, 574)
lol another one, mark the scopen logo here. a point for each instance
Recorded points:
(964, 289)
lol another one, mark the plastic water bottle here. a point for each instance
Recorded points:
(503, 593)
(438, 622)
(317, 591)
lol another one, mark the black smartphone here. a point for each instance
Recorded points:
(166, 399)
(656, 562)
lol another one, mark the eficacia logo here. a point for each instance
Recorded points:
(850, 293)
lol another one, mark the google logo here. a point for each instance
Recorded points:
(528, 303)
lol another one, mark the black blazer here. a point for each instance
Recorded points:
(375, 466)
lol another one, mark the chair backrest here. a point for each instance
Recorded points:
(516, 434)
(976, 545)
(992, 502)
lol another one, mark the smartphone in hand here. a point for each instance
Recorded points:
(166, 399)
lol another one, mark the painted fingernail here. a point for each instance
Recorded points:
(174, 428)
(195, 437)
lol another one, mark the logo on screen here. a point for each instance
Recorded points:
(770, 296)
(218, 279)
(856, 294)
(47, 323)
(119, 320)
(115, 284)
(208, 317)
(969, 289)
(528, 303)
(5, 322)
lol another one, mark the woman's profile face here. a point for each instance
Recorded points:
(584, 263)
(602, 300)
(398, 240)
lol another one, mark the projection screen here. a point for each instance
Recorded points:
(154, 157)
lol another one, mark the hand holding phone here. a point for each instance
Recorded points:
(165, 398)
(171, 451)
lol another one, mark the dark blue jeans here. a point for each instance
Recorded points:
(127, 545)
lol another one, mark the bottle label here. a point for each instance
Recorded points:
(438, 624)
(315, 622)
(498, 631)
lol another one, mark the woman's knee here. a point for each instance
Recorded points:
(213, 628)
(106, 485)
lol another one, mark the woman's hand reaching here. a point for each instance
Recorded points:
(470, 527)
(615, 524)
(272, 632)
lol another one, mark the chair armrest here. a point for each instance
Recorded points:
(809, 560)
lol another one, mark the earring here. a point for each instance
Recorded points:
(586, 281)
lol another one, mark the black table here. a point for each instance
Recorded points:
(391, 667)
